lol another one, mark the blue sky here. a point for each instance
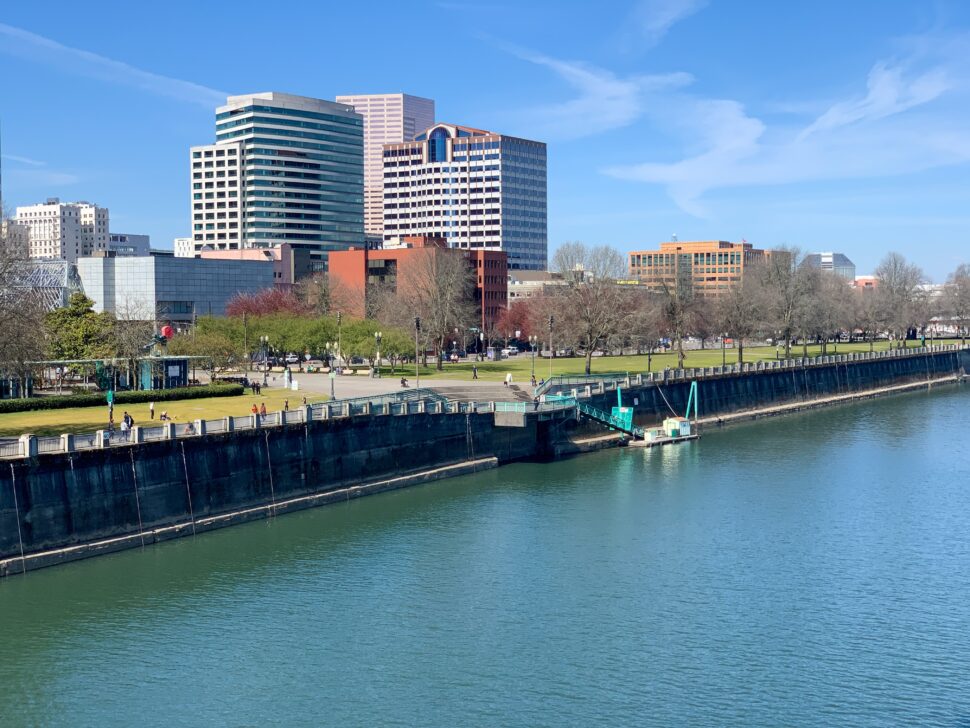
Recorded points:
(828, 125)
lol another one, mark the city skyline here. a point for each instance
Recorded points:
(757, 133)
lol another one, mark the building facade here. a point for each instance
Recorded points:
(183, 247)
(290, 264)
(15, 236)
(167, 289)
(357, 269)
(710, 266)
(284, 169)
(524, 284)
(64, 230)
(834, 262)
(126, 244)
(474, 188)
(388, 119)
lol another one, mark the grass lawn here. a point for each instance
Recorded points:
(521, 365)
(89, 419)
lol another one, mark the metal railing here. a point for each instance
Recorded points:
(11, 449)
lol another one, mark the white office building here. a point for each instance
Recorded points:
(183, 248)
(64, 230)
(388, 119)
(15, 236)
(475, 188)
(284, 169)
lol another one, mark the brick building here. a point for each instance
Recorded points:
(711, 265)
(358, 267)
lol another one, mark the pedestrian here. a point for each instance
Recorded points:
(304, 400)
(262, 410)
(533, 380)
(508, 379)
(151, 410)
(255, 409)
(286, 405)
(127, 419)
(111, 424)
(474, 371)
(535, 403)
(124, 430)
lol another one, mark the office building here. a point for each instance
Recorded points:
(64, 230)
(126, 244)
(476, 189)
(290, 264)
(524, 284)
(183, 248)
(284, 169)
(15, 236)
(388, 119)
(392, 267)
(710, 266)
(834, 262)
(167, 289)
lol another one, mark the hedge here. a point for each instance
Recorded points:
(98, 399)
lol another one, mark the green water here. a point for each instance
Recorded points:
(806, 570)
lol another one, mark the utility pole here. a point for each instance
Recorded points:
(417, 371)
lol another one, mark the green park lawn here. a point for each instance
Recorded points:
(88, 419)
(521, 366)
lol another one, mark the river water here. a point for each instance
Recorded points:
(812, 569)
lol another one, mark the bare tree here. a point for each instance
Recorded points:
(133, 329)
(437, 287)
(595, 307)
(741, 307)
(867, 314)
(956, 299)
(21, 313)
(898, 288)
(678, 309)
(323, 295)
(788, 285)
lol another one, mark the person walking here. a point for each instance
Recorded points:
(255, 409)
(286, 405)
(474, 371)
(508, 379)
(151, 410)
(262, 410)
(127, 419)
(535, 403)
(124, 429)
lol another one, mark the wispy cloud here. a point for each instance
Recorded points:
(24, 44)
(38, 178)
(604, 100)
(894, 128)
(22, 160)
(651, 19)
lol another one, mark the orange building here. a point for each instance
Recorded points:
(710, 265)
(356, 268)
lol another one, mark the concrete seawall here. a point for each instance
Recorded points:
(64, 506)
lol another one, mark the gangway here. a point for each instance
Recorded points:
(622, 424)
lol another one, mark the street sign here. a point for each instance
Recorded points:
(333, 374)
(111, 396)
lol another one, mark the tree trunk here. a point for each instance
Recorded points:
(740, 350)
(680, 352)
(589, 358)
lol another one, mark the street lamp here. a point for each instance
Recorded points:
(481, 345)
(552, 349)
(377, 339)
(533, 340)
(331, 347)
(723, 351)
(338, 335)
(264, 345)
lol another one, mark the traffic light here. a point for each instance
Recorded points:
(417, 323)
(551, 321)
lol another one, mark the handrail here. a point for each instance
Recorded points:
(609, 419)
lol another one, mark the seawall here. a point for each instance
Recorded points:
(58, 507)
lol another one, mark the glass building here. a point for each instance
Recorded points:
(474, 188)
(284, 169)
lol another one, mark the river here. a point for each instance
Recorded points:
(812, 569)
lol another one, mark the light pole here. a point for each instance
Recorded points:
(723, 351)
(338, 335)
(264, 344)
(377, 339)
(552, 349)
(533, 340)
(331, 348)
(417, 330)
(481, 345)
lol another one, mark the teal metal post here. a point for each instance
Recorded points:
(692, 399)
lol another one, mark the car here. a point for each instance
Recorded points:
(292, 358)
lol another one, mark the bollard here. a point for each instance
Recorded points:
(200, 427)
(367, 408)
(28, 446)
(67, 443)
(101, 440)
(136, 435)
(228, 425)
(307, 413)
(169, 432)
(421, 406)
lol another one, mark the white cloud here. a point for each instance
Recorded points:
(605, 101)
(24, 44)
(651, 19)
(893, 129)
(23, 160)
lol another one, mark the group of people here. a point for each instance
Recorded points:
(127, 422)
(256, 387)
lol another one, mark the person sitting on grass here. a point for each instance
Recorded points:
(404, 382)
(164, 417)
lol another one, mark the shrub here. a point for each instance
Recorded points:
(97, 399)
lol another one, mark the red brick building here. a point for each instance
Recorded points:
(358, 267)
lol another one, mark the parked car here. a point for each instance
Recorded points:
(292, 358)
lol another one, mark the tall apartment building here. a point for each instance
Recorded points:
(284, 169)
(710, 265)
(64, 230)
(475, 188)
(388, 119)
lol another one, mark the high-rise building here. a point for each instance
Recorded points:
(388, 119)
(64, 230)
(709, 266)
(835, 262)
(284, 169)
(474, 188)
